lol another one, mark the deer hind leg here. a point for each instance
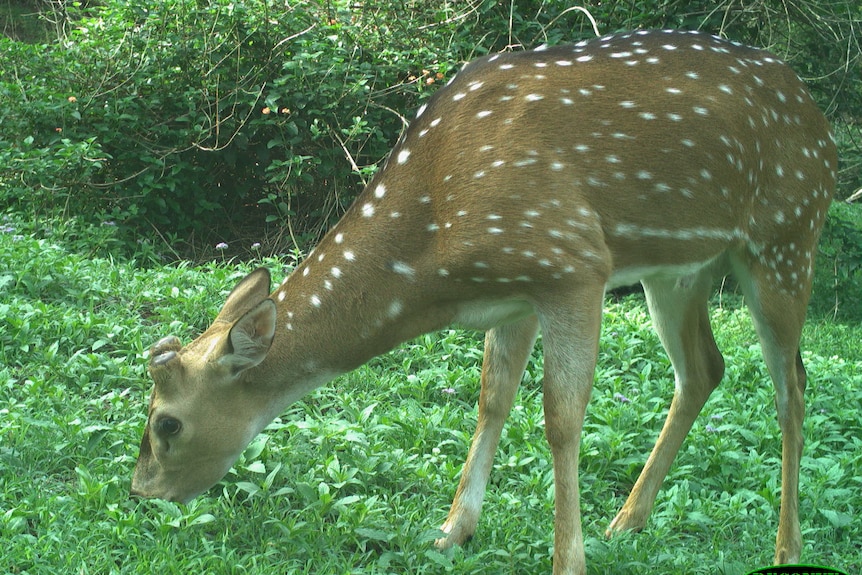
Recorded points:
(778, 310)
(507, 349)
(678, 308)
(570, 341)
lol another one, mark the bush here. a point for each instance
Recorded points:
(141, 83)
(228, 120)
(153, 123)
(839, 279)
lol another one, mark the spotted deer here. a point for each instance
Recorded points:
(524, 190)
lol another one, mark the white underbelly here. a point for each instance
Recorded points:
(484, 315)
(487, 314)
(633, 275)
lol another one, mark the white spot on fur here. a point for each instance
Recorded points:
(403, 269)
(395, 308)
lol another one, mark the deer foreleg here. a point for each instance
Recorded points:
(507, 349)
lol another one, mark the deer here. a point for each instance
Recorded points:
(523, 190)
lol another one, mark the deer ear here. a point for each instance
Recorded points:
(251, 337)
(249, 292)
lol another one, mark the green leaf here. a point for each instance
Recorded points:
(256, 447)
(248, 487)
(373, 534)
(836, 518)
(203, 519)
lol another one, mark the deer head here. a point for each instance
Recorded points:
(206, 404)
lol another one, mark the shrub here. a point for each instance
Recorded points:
(839, 279)
(226, 120)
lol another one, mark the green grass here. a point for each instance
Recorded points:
(356, 478)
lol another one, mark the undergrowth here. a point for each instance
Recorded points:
(357, 477)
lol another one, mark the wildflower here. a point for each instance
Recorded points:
(448, 390)
(622, 398)
(72, 99)
(711, 429)
(221, 246)
(255, 246)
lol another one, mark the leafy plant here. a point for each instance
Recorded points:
(357, 476)
(839, 277)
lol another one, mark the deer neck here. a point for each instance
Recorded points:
(358, 294)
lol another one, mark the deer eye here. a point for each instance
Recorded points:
(167, 426)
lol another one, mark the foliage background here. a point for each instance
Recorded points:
(256, 121)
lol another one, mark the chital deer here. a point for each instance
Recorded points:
(522, 191)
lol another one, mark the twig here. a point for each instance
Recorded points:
(349, 156)
(236, 131)
(474, 7)
(293, 37)
(579, 9)
(164, 240)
